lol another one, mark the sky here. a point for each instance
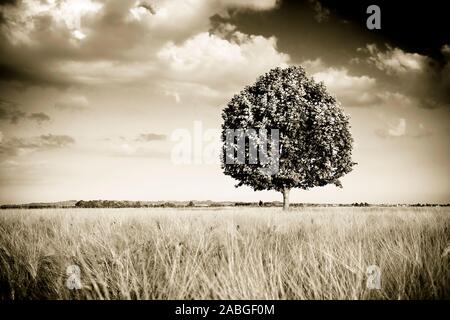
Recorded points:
(97, 96)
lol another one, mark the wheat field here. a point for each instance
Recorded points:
(226, 253)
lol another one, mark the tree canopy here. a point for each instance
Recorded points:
(315, 143)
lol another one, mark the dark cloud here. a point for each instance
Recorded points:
(410, 25)
(147, 6)
(296, 27)
(322, 13)
(13, 116)
(39, 117)
(9, 112)
(30, 74)
(15, 146)
(8, 2)
(420, 77)
(151, 137)
(56, 141)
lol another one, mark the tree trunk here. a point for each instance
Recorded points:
(286, 198)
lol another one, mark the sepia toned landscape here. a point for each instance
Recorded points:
(224, 150)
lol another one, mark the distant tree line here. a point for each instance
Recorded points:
(140, 204)
(108, 204)
(193, 204)
(361, 204)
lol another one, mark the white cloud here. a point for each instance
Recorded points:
(339, 80)
(313, 66)
(393, 130)
(221, 63)
(251, 4)
(126, 149)
(395, 60)
(174, 94)
(400, 129)
(351, 90)
(354, 90)
(67, 14)
(201, 52)
(78, 34)
(215, 64)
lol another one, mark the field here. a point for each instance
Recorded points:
(232, 253)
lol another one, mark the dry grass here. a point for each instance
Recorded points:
(251, 253)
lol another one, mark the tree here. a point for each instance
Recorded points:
(314, 145)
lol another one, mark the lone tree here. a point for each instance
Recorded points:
(314, 146)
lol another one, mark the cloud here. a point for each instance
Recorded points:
(9, 112)
(27, 72)
(11, 115)
(258, 5)
(63, 43)
(396, 61)
(8, 2)
(446, 68)
(417, 76)
(136, 147)
(339, 79)
(355, 90)
(130, 151)
(351, 90)
(72, 103)
(15, 146)
(176, 96)
(146, 137)
(322, 13)
(422, 132)
(142, 8)
(223, 65)
(39, 117)
(55, 141)
(396, 130)
(399, 129)
(313, 66)
(27, 17)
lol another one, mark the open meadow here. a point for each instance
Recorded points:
(225, 253)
